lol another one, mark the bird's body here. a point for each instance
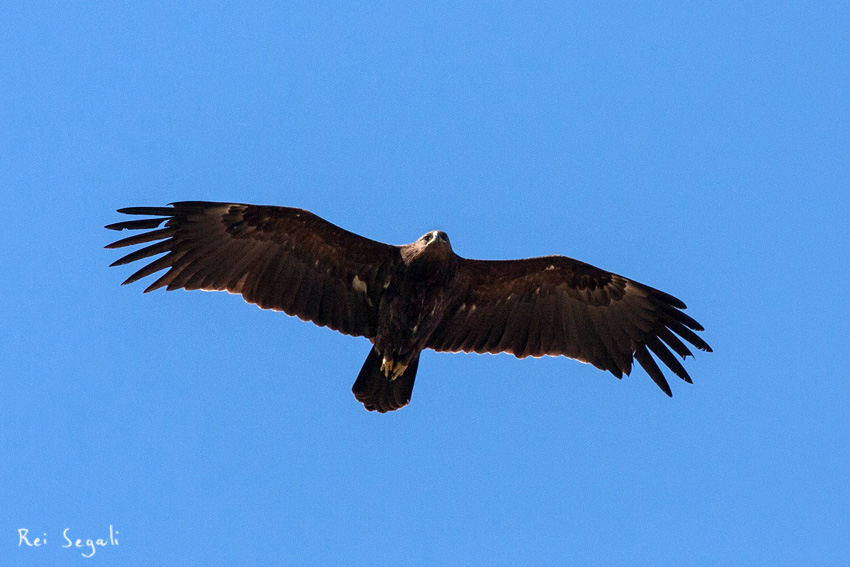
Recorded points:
(408, 298)
(416, 298)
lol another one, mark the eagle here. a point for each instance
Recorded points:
(407, 298)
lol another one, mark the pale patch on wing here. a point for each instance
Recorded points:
(359, 285)
(550, 267)
(635, 290)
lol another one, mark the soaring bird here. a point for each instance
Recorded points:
(408, 298)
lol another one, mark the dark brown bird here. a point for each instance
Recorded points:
(412, 297)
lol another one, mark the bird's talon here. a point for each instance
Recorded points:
(399, 370)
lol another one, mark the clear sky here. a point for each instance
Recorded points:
(701, 149)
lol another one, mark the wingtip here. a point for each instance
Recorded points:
(651, 367)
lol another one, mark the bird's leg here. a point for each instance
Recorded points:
(391, 367)
(399, 370)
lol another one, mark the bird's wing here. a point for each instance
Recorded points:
(277, 257)
(559, 306)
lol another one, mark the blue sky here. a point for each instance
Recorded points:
(700, 149)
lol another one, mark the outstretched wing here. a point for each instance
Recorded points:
(277, 257)
(559, 306)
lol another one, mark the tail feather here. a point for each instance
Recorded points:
(379, 393)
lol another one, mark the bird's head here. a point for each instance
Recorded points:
(434, 244)
(437, 237)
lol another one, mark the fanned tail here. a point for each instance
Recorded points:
(379, 393)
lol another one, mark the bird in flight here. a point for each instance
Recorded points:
(407, 298)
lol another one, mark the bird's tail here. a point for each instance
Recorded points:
(378, 392)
